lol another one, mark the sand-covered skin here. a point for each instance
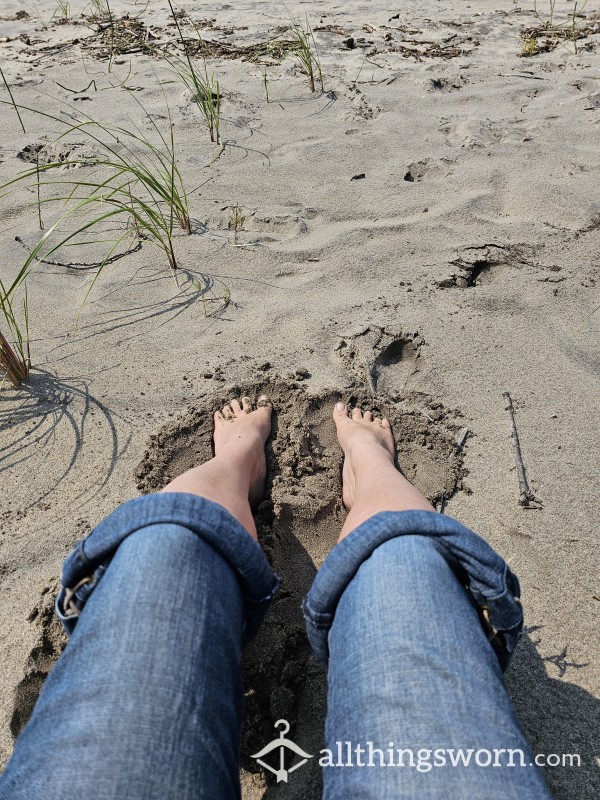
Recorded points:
(462, 265)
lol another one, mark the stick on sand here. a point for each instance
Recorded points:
(527, 499)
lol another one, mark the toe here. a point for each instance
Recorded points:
(340, 411)
(227, 412)
(368, 416)
(246, 405)
(236, 408)
(263, 401)
(219, 418)
(356, 413)
(385, 423)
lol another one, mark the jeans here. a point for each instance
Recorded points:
(414, 614)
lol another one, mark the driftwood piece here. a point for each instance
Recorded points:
(527, 499)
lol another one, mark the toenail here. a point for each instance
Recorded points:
(339, 406)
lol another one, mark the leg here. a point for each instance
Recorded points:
(235, 477)
(145, 702)
(371, 481)
(410, 667)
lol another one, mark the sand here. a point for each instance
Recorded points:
(421, 237)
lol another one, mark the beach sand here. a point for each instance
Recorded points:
(420, 237)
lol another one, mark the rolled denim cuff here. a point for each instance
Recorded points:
(90, 558)
(493, 588)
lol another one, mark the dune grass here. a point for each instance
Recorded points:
(130, 176)
(12, 100)
(15, 359)
(100, 10)
(305, 52)
(296, 41)
(554, 32)
(102, 15)
(203, 85)
(63, 9)
(236, 220)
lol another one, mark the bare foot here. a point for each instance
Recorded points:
(366, 440)
(371, 482)
(235, 477)
(240, 435)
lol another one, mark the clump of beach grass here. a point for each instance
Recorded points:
(203, 85)
(300, 45)
(550, 33)
(305, 52)
(63, 9)
(15, 358)
(100, 10)
(236, 220)
(131, 177)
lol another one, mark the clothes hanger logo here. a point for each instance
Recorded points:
(282, 744)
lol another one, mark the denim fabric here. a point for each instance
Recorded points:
(396, 612)
(145, 703)
(213, 523)
(410, 668)
(492, 586)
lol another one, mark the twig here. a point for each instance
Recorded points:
(458, 446)
(461, 438)
(527, 499)
(459, 443)
(81, 264)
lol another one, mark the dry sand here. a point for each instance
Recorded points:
(462, 264)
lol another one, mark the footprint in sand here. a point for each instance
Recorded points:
(55, 153)
(480, 264)
(481, 133)
(441, 84)
(360, 108)
(430, 168)
(277, 224)
(384, 361)
(50, 643)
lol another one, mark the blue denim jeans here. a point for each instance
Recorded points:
(414, 615)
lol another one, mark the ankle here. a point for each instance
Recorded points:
(368, 453)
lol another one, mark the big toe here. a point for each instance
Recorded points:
(264, 405)
(340, 412)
